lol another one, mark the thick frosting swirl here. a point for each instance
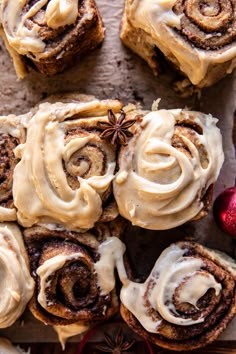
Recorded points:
(195, 35)
(167, 167)
(66, 170)
(17, 286)
(186, 301)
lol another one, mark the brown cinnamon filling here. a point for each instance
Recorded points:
(208, 24)
(7, 165)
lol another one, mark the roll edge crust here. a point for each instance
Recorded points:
(173, 29)
(215, 324)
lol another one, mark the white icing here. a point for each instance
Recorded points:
(49, 267)
(172, 274)
(170, 270)
(40, 188)
(25, 39)
(111, 256)
(164, 183)
(65, 332)
(6, 347)
(16, 284)
(157, 19)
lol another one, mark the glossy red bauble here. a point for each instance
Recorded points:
(224, 210)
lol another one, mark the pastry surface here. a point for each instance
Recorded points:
(48, 35)
(198, 37)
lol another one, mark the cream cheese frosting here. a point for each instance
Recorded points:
(40, 188)
(165, 185)
(173, 274)
(11, 127)
(17, 286)
(6, 347)
(66, 332)
(24, 38)
(157, 18)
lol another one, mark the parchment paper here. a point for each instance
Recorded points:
(114, 71)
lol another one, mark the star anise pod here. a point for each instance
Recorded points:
(116, 129)
(117, 345)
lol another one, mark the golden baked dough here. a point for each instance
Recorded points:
(49, 35)
(198, 37)
(187, 300)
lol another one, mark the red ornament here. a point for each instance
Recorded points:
(224, 210)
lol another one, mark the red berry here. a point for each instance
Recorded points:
(224, 210)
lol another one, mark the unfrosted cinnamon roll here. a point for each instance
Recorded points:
(167, 169)
(66, 170)
(197, 36)
(12, 133)
(187, 300)
(67, 289)
(17, 286)
(49, 35)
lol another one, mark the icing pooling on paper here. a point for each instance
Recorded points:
(164, 184)
(173, 270)
(65, 332)
(40, 188)
(16, 284)
(157, 18)
(25, 39)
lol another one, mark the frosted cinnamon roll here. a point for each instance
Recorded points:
(6, 347)
(66, 170)
(17, 286)
(12, 133)
(67, 289)
(198, 37)
(187, 300)
(49, 35)
(168, 168)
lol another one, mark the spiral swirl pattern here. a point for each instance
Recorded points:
(168, 167)
(17, 286)
(187, 300)
(62, 264)
(51, 33)
(207, 24)
(197, 36)
(66, 170)
(11, 135)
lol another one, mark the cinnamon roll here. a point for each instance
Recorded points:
(168, 168)
(67, 290)
(49, 35)
(6, 347)
(66, 170)
(187, 300)
(12, 133)
(197, 36)
(17, 286)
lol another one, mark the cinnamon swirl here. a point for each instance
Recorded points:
(187, 300)
(49, 35)
(66, 170)
(67, 289)
(198, 37)
(12, 133)
(168, 168)
(17, 286)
